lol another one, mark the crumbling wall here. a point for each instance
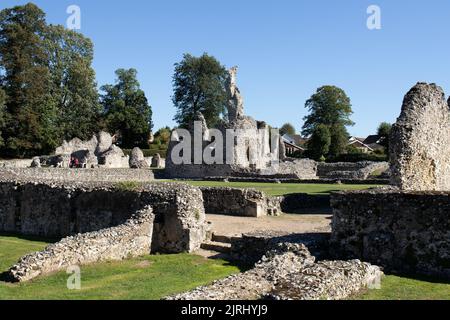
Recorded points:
(131, 239)
(401, 231)
(289, 271)
(420, 141)
(76, 175)
(56, 210)
(350, 170)
(239, 202)
(16, 163)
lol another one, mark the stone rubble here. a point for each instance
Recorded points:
(137, 159)
(289, 271)
(131, 239)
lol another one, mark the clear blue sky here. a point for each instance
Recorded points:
(284, 49)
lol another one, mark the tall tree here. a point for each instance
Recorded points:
(319, 144)
(199, 85)
(2, 114)
(162, 136)
(73, 82)
(127, 110)
(331, 107)
(31, 120)
(287, 128)
(384, 131)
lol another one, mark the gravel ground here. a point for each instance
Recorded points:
(289, 223)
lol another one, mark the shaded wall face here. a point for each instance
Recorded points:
(56, 212)
(401, 231)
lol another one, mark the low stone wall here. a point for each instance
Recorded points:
(56, 210)
(402, 231)
(283, 179)
(131, 239)
(299, 168)
(16, 163)
(251, 247)
(239, 202)
(289, 271)
(350, 170)
(80, 175)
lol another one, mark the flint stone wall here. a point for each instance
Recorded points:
(57, 210)
(349, 170)
(131, 239)
(402, 231)
(251, 247)
(420, 141)
(16, 163)
(288, 271)
(239, 202)
(77, 175)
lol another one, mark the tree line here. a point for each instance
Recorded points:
(48, 93)
(48, 90)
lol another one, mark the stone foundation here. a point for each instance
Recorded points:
(239, 202)
(288, 271)
(403, 231)
(76, 175)
(251, 247)
(349, 170)
(131, 239)
(58, 210)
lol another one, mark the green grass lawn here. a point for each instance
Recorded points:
(278, 189)
(151, 277)
(401, 288)
(154, 277)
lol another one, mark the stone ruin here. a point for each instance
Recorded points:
(253, 152)
(288, 271)
(405, 228)
(99, 151)
(420, 142)
(137, 159)
(100, 221)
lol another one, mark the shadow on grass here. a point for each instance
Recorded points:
(29, 237)
(420, 277)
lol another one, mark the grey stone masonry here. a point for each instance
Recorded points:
(131, 239)
(402, 231)
(76, 175)
(289, 271)
(420, 141)
(56, 210)
(239, 202)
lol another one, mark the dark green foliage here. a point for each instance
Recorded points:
(319, 144)
(162, 137)
(127, 111)
(2, 113)
(330, 107)
(31, 113)
(384, 131)
(287, 128)
(357, 157)
(151, 151)
(339, 140)
(47, 77)
(73, 82)
(199, 85)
